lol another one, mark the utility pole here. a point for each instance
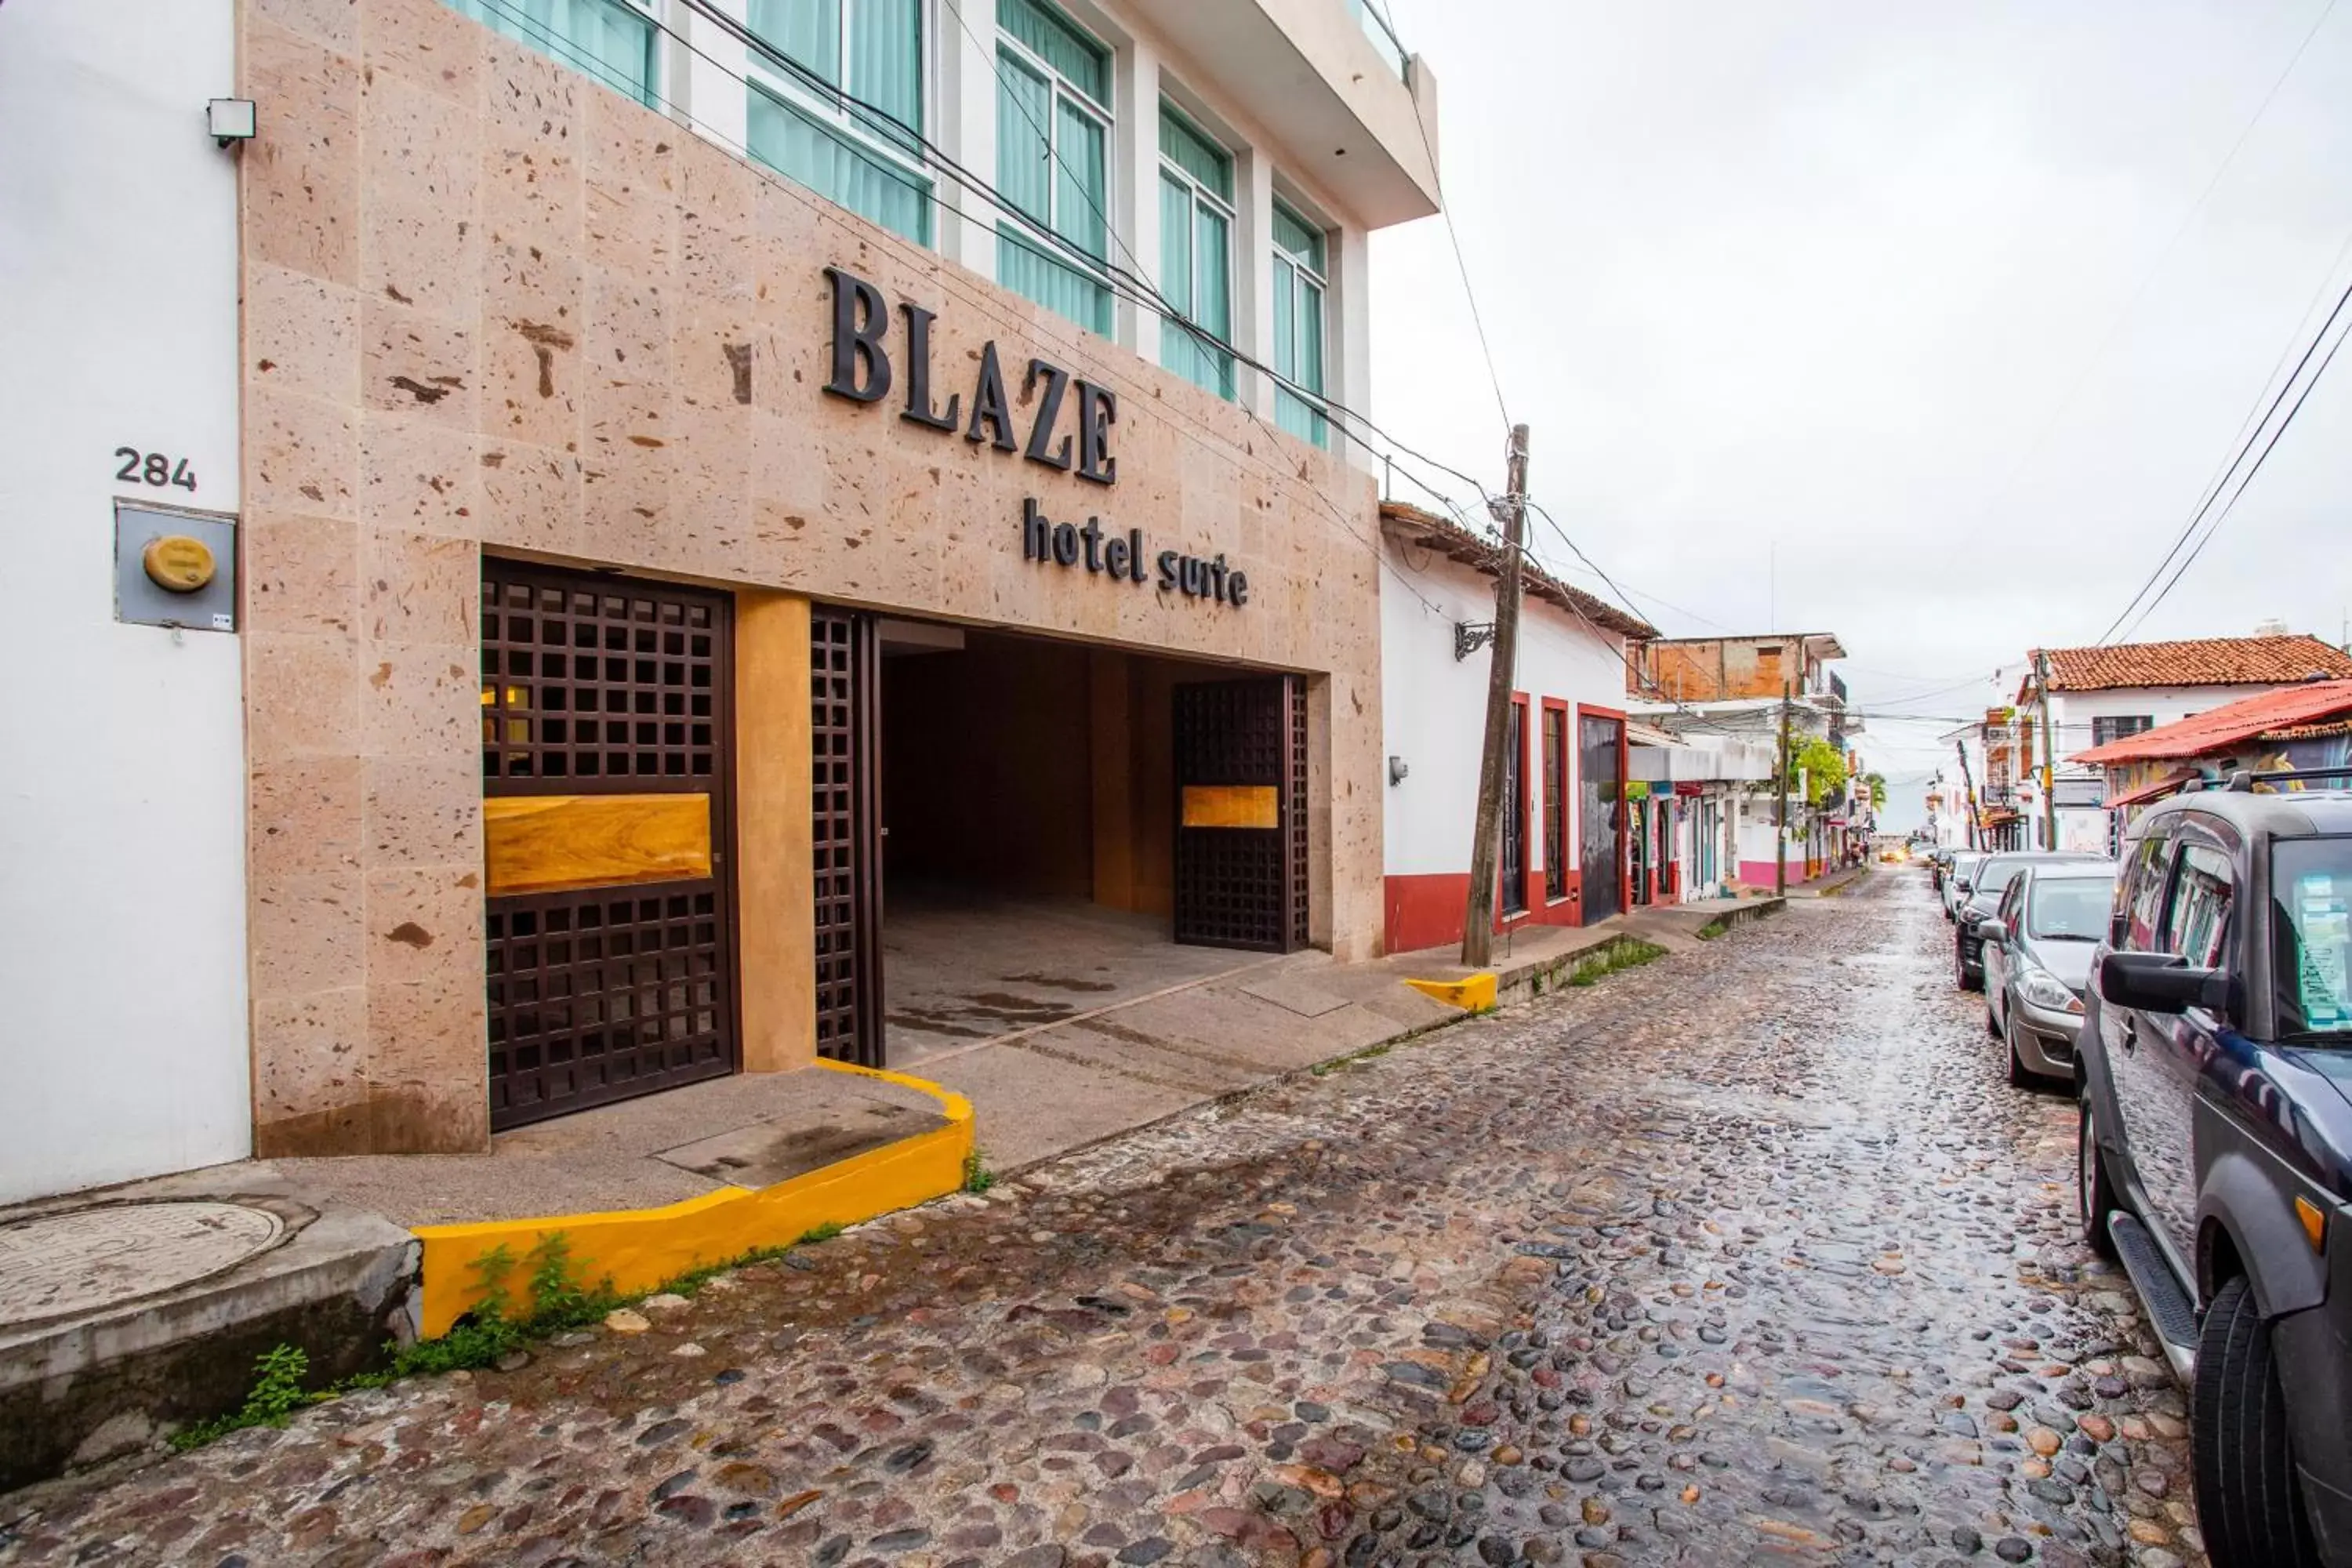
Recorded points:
(1968, 783)
(1478, 921)
(1781, 829)
(2048, 788)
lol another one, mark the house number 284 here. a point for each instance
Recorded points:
(154, 468)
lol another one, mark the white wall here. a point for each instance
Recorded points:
(1434, 707)
(121, 807)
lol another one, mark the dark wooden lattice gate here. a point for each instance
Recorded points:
(1242, 865)
(607, 756)
(846, 765)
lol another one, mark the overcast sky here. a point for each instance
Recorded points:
(1919, 300)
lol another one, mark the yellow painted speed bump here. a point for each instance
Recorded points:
(1474, 994)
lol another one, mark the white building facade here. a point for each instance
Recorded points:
(1566, 830)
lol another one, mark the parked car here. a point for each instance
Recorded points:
(2037, 962)
(1937, 860)
(1985, 887)
(2215, 1090)
(1957, 873)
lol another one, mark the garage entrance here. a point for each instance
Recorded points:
(1060, 829)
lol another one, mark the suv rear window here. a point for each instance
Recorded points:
(2311, 934)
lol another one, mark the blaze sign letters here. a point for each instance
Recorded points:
(864, 372)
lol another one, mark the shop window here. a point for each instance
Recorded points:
(1196, 216)
(1299, 284)
(836, 105)
(610, 40)
(1052, 166)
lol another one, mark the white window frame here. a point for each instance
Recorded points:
(1204, 196)
(1321, 402)
(656, 16)
(1053, 241)
(832, 109)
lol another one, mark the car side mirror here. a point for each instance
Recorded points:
(2163, 982)
(1964, 884)
(1994, 932)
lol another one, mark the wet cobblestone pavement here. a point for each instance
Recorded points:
(1752, 1256)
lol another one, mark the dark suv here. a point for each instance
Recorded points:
(2215, 1154)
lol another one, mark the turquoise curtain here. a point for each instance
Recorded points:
(1302, 240)
(886, 65)
(827, 162)
(1176, 244)
(1196, 153)
(1034, 275)
(1024, 169)
(1298, 351)
(1059, 43)
(808, 31)
(1081, 191)
(600, 38)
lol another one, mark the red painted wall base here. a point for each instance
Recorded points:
(1426, 910)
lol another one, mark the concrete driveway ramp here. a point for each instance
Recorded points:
(60, 1264)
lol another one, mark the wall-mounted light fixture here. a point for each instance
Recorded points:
(1397, 769)
(231, 120)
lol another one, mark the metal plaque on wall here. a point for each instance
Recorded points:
(176, 569)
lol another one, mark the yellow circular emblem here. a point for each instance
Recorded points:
(177, 564)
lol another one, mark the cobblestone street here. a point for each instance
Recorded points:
(1751, 1255)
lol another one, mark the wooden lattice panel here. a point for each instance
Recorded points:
(1243, 887)
(597, 689)
(597, 997)
(845, 827)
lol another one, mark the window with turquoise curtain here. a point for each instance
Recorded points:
(836, 167)
(1299, 286)
(609, 40)
(1052, 161)
(867, 50)
(1061, 44)
(1196, 185)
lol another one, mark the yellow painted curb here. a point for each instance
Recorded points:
(639, 1248)
(1472, 995)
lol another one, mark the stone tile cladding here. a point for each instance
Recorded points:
(492, 305)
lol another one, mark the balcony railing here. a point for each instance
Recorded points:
(1376, 27)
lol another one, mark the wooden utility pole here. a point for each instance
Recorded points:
(2049, 762)
(1780, 830)
(1968, 783)
(1478, 921)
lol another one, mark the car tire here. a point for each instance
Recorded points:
(2249, 1505)
(2094, 1188)
(1993, 1024)
(2019, 1078)
(1960, 976)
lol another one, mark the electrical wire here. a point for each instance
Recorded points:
(2244, 445)
(1445, 211)
(2107, 338)
(2235, 495)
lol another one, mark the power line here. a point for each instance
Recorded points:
(2107, 338)
(2240, 490)
(1453, 237)
(2248, 430)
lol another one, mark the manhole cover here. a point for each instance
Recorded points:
(62, 1264)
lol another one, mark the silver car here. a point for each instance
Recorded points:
(2037, 962)
(1958, 874)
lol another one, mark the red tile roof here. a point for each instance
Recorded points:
(1457, 542)
(2231, 724)
(2204, 661)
